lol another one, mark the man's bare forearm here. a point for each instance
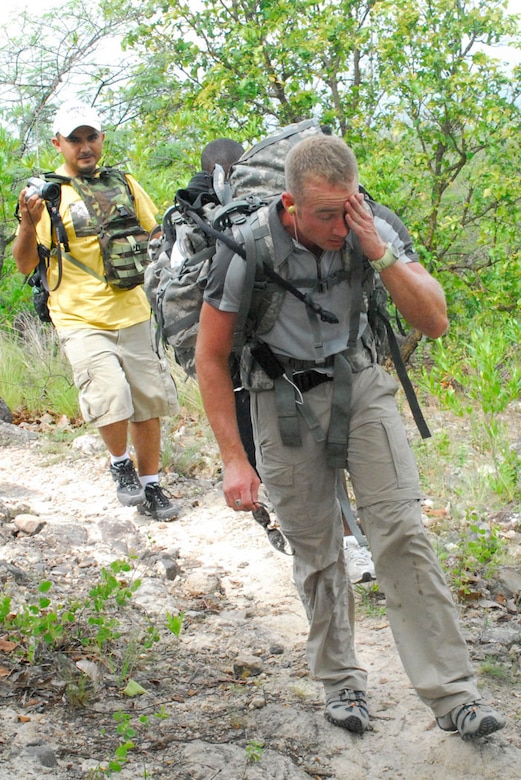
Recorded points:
(418, 297)
(219, 403)
(240, 480)
(213, 375)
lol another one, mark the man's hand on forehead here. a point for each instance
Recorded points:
(358, 214)
(356, 207)
(359, 219)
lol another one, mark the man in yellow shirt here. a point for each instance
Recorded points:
(106, 331)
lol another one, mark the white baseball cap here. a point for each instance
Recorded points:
(74, 115)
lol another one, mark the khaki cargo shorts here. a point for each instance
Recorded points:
(119, 374)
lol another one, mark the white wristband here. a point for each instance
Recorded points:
(390, 257)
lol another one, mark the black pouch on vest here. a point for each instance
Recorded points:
(267, 361)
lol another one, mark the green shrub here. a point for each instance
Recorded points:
(34, 373)
(477, 375)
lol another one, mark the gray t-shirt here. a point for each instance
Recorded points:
(292, 334)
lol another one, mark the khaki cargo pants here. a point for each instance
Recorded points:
(385, 480)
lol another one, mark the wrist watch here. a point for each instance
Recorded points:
(390, 257)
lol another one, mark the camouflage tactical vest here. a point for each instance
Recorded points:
(123, 241)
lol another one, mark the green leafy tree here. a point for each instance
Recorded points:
(42, 63)
(416, 88)
(449, 161)
(8, 149)
(50, 57)
(247, 66)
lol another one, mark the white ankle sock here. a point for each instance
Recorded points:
(148, 478)
(119, 458)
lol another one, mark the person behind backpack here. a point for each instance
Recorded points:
(107, 333)
(220, 151)
(319, 398)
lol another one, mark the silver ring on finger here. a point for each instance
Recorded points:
(238, 502)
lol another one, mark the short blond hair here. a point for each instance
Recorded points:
(323, 157)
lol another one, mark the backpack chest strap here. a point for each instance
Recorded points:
(319, 284)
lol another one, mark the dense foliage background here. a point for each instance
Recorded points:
(427, 92)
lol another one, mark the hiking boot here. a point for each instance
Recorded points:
(348, 709)
(129, 491)
(359, 564)
(472, 720)
(157, 504)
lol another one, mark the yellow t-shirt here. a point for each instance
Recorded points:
(80, 300)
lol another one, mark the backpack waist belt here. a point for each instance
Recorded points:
(289, 405)
(302, 365)
(307, 380)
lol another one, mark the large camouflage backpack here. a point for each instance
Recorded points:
(176, 279)
(259, 173)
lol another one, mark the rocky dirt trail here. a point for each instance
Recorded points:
(233, 686)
